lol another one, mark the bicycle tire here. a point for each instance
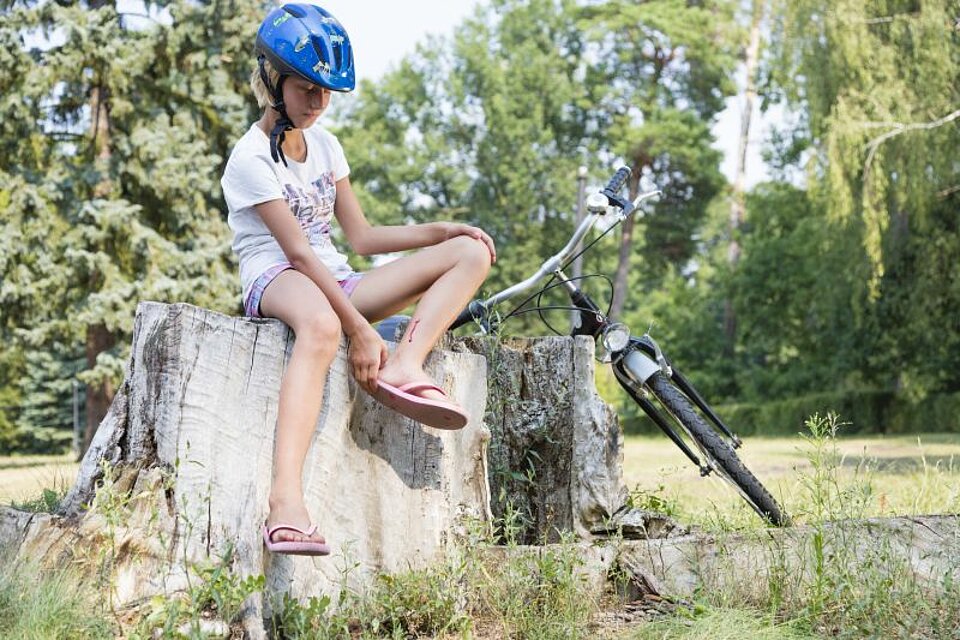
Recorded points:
(721, 455)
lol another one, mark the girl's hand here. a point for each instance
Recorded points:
(368, 354)
(454, 229)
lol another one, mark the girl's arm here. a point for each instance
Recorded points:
(368, 352)
(366, 239)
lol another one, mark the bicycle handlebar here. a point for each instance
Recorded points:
(477, 309)
(616, 182)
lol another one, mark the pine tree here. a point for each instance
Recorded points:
(115, 133)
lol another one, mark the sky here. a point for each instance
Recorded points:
(383, 31)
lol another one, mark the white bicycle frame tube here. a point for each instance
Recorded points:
(555, 263)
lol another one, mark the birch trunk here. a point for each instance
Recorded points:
(738, 207)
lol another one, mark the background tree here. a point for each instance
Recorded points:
(738, 204)
(667, 67)
(878, 86)
(490, 127)
(116, 131)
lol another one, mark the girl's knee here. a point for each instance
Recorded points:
(319, 332)
(473, 252)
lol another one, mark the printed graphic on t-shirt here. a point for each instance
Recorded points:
(313, 206)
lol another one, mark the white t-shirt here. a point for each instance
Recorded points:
(309, 187)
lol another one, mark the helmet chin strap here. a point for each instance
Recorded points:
(284, 123)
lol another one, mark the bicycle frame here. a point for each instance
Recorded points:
(629, 370)
(553, 265)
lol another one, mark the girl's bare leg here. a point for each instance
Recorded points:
(444, 278)
(293, 298)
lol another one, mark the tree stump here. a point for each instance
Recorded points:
(179, 470)
(556, 453)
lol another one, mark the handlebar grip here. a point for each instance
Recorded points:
(617, 181)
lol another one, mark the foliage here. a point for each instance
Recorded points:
(486, 129)
(53, 605)
(667, 67)
(872, 411)
(882, 178)
(489, 128)
(911, 78)
(110, 183)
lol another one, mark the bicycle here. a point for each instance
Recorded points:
(638, 363)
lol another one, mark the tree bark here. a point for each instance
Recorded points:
(189, 440)
(99, 396)
(621, 277)
(738, 206)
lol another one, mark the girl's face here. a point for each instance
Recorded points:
(305, 102)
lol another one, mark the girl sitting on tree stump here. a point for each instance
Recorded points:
(286, 179)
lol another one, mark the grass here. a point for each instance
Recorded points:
(906, 475)
(25, 479)
(48, 605)
(703, 623)
(818, 478)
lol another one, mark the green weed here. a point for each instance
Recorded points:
(653, 500)
(708, 623)
(526, 592)
(424, 603)
(47, 502)
(516, 591)
(48, 605)
(214, 593)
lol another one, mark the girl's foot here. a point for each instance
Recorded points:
(294, 514)
(398, 374)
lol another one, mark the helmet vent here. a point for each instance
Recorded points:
(294, 10)
(338, 54)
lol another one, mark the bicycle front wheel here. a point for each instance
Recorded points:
(723, 458)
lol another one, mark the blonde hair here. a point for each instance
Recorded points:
(260, 91)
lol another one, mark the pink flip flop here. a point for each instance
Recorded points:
(433, 413)
(304, 548)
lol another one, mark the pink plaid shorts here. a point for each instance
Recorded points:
(251, 305)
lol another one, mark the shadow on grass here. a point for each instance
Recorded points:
(902, 464)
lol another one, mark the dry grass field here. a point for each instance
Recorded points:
(908, 474)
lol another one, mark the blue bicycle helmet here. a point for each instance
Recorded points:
(302, 40)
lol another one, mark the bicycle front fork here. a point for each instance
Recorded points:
(632, 385)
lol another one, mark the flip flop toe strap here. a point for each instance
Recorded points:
(289, 527)
(414, 387)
